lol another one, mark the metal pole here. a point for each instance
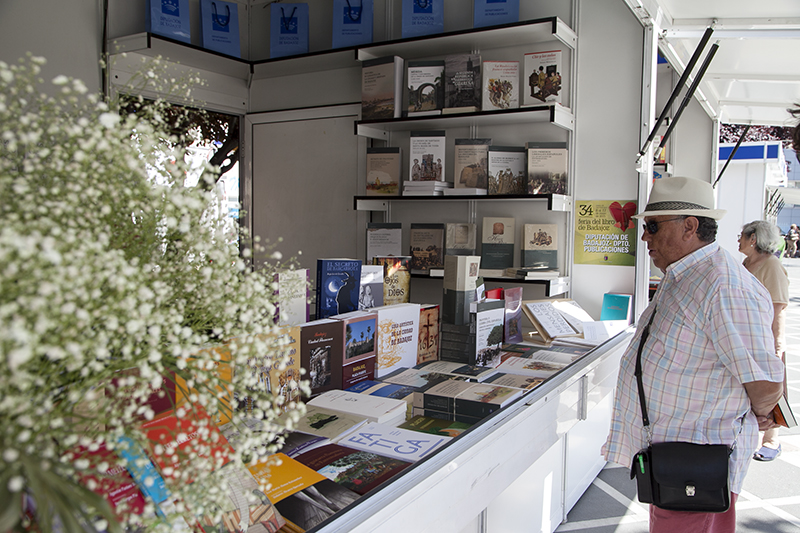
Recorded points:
(733, 153)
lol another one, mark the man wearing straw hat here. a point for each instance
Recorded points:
(708, 369)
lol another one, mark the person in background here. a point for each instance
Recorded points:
(792, 236)
(708, 367)
(758, 242)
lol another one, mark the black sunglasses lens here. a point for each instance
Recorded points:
(650, 227)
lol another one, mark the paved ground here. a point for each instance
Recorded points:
(770, 501)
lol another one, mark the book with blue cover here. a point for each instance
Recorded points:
(220, 27)
(494, 12)
(616, 307)
(338, 285)
(422, 17)
(352, 23)
(169, 18)
(288, 29)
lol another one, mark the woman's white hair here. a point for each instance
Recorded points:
(768, 236)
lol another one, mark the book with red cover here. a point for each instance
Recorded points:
(783, 414)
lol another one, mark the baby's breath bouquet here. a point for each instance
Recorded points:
(115, 279)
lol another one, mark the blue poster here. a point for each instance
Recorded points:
(220, 27)
(169, 18)
(288, 29)
(494, 12)
(422, 17)
(352, 23)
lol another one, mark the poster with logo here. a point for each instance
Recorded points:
(605, 232)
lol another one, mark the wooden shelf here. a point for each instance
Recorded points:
(555, 202)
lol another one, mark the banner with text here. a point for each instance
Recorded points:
(605, 233)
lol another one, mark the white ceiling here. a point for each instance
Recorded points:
(755, 75)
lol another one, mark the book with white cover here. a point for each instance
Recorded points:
(426, 159)
(500, 85)
(543, 78)
(324, 422)
(472, 372)
(530, 367)
(389, 441)
(398, 332)
(373, 408)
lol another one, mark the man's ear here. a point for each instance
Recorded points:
(690, 227)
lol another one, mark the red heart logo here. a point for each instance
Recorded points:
(629, 210)
(616, 213)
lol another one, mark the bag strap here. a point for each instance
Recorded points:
(638, 373)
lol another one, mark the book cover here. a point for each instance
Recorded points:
(223, 370)
(542, 73)
(460, 238)
(398, 337)
(428, 348)
(422, 17)
(470, 399)
(500, 85)
(497, 244)
(219, 27)
(540, 246)
(471, 163)
(160, 399)
(386, 390)
(373, 408)
(394, 442)
(475, 373)
(325, 423)
(514, 381)
(547, 167)
(489, 317)
(782, 413)
(338, 282)
(462, 73)
(530, 367)
(396, 278)
(494, 12)
(356, 469)
(293, 289)
(360, 331)
(617, 307)
(507, 170)
(512, 332)
(144, 472)
(297, 442)
(352, 23)
(169, 18)
(426, 160)
(370, 293)
(425, 87)
(301, 495)
(321, 353)
(458, 287)
(426, 242)
(288, 29)
(435, 426)
(446, 415)
(417, 378)
(382, 88)
(383, 238)
(383, 171)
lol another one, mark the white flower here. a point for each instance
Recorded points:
(109, 120)
(16, 483)
(10, 455)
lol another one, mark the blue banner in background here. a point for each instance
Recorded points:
(220, 27)
(422, 17)
(169, 18)
(494, 12)
(352, 23)
(288, 29)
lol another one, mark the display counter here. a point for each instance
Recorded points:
(521, 469)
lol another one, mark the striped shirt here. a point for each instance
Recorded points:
(711, 333)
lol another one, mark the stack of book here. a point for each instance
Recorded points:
(531, 273)
(425, 188)
(374, 408)
(463, 401)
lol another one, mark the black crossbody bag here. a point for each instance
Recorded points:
(679, 476)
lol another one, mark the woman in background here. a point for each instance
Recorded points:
(758, 242)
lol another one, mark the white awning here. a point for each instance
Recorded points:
(790, 195)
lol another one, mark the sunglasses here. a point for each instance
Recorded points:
(652, 226)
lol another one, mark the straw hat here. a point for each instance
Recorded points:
(681, 196)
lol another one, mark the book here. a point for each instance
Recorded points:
(159, 399)
(383, 238)
(465, 398)
(535, 368)
(288, 29)
(396, 278)
(500, 85)
(386, 390)
(419, 379)
(360, 331)
(532, 272)
(556, 318)
(337, 286)
(465, 191)
(383, 171)
(514, 381)
(426, 242)
(459, 238)
(782, 413)
(326, 423)
(219, 27)
(471, 164)
(507, 170)
(293, 291)
(435, 426)
(169, 18)
(497, 245)
(428, 348)
(370, 293)
(617, 307)
(492, 12)
(458, 287)
(462, 74)
(144, 473)
(539, 246)
(302, 496)
(542, 73)
(547, 167)
(446, 415)
(475, 373)
(352, 23)
(296, 442)
(356, 468)
(425, 87)
(223, 372)
(373, 408)
(426, 159)
(321, 353)
(512, 326)
(398, 337)
(422, 17)
(489, 317)
(425, 188)
(382, 88)
(397, 443)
